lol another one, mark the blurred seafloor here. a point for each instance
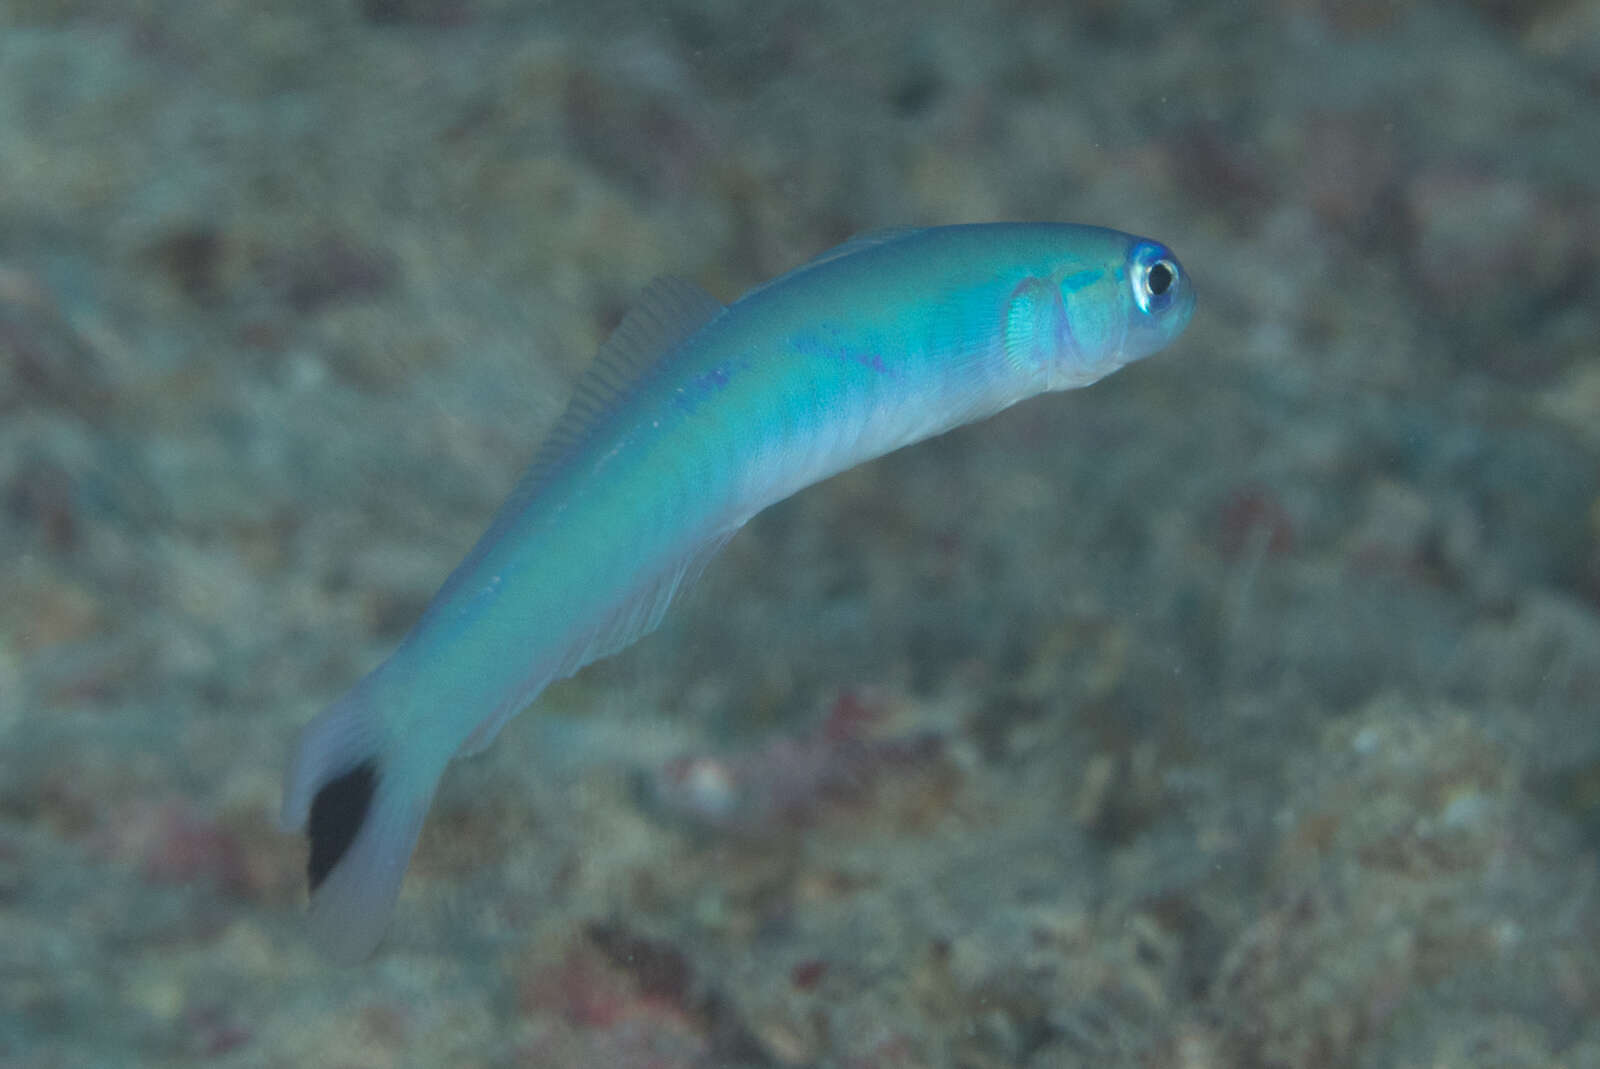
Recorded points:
(1239, 711)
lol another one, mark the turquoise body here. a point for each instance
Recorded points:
(695, 418)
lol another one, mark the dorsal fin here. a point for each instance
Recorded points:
(669, 312)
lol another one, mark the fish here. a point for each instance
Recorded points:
(693, 417)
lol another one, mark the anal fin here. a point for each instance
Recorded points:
(626, 623)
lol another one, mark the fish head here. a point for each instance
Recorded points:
(1124, 300)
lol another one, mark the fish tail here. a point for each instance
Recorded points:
(361, 805)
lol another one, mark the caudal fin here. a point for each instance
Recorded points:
(362, 810)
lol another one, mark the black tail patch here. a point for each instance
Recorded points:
(337, 813)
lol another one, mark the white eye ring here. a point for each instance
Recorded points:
(1155, 281)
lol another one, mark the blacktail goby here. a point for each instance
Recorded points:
(694, 417)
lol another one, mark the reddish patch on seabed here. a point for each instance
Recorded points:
(45, 360)
(1223, 171)
(808, 974)
(582, 989)
(330, 270)
(852, 716)
(1589, 577)
(949, 544)
(1349, 172)
(792, 779)
(210, 1031)
(612, 979)
(1375, 560)
(263, 335)
(387, 1024)
(627, 999)
(191, 256)
(1254, 519)
(190, 848)
(1471, 229)
(660, 972)
(897, 1052)
(42, 495)
(651, 140)
(172, 842)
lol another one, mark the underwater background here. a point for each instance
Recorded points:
(1242, 710)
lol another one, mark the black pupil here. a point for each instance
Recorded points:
(1159, 279)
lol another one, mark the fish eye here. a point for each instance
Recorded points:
(1160, 277)
(1154, 279)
